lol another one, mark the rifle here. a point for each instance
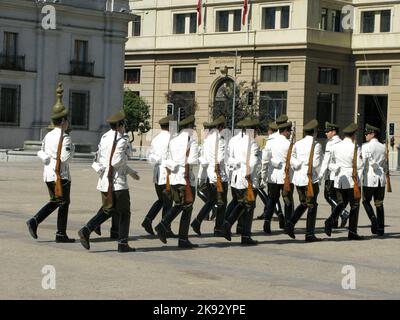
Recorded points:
(111, 172)
(58, 187)
(286, 184)
(357, 192)
(188, 189)
(217, 166)
(388, 182)
(250, 191)
(310, 190)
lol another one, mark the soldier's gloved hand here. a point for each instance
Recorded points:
(134, 175)
(44, 157)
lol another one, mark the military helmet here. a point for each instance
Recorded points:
(371, 129)
(117, 117)
(351, 128)
(311, 125)
(59, 110)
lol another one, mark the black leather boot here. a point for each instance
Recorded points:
(354, 236)
(371, 215)
(161, 232)
(196, 226)
(84, 236)
(353, 223)
(239, 225)
(163, 227)
(32, 227)
(380, 212)
(84, 233)
(98, 231)
(344, 216)
(63, 238)
(295, 218)
(248, 241)
(42, 214)
(226, 231)
(186, 244)
(184, 224)
(281, 219)
(310, 229)
(268, 215)
(114, 231)
(289, 229)
(146, 224)
(170, 233)
(246, 234)
(329, 223)
(124, 247)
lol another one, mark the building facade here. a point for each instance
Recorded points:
(327, 59)
(85, 52)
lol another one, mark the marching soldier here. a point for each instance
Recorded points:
(346, 163)
(243, 157)
(214, 149)
(182, 155)
(275, 155)
(56, 152)
(374, 179)
(158, 157)
(232, 169)
(331, 132)
(306, 162)
(203, 183)
(111, 165)
(272, 134)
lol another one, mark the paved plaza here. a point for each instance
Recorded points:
(278, 268)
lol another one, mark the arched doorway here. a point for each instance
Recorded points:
(223, 101)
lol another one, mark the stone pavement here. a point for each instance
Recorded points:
(278, 268)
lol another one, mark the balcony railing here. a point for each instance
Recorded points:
(82, 68)
(11, 62)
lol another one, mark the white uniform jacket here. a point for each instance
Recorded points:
(300, 158)
(231, 163)
(374, 163)
(238, 160)
(325, 173)
(48, 155)
(212, 157)
(264, 161)
(158, 157)
(341, 164)
(118, 161)
(177, 157)
(275, 155)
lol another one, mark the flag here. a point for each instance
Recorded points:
(199, 12)
(244, 12)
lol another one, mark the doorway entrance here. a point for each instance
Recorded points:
(373, 110)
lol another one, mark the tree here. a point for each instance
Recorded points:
(182, 100)
(137, 112)
(224, 100)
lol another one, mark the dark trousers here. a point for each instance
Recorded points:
(378, 193)
(178, 196)
(164, 202)
(120, 208)
(274, 192)
(309, 203)
(203, 191)
(343, 197)
(61, 203)
(244, 210)
(232, 205)
(330, 194)
(215, 199)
